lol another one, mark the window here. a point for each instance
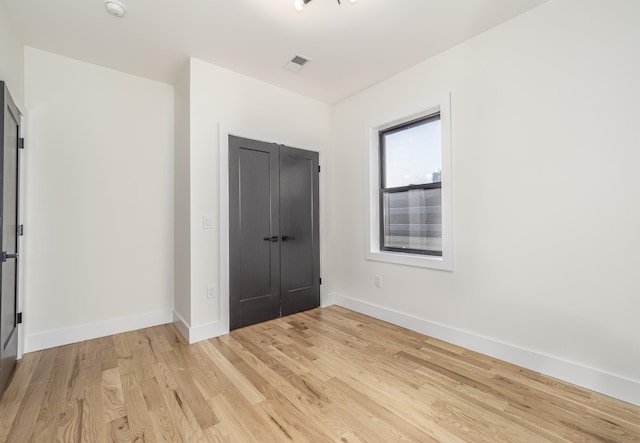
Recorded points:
(410, 187)
(408, 204)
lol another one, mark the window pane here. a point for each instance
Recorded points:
(413, 220)
(412, 156)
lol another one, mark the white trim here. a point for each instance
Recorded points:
(613, 385)
(20, 276)
(207, 331)
(327, 300)
(198, 333)
(181, 325)
(223, 224)
(61, 337)
(441, 104)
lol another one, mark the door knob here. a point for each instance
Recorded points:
(272, 239)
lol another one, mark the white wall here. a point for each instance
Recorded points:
(243, 106)
(99, 201)
(182, 203)
(11, 58)
(545, 112)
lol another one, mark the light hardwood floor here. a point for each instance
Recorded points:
(320, 376)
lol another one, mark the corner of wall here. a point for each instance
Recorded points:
(181, 325)
(182, 197)
(200, 332)
(11, 58)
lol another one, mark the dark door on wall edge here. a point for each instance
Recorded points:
(9, 134)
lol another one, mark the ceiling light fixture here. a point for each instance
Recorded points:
(114, 8)
(300, 4)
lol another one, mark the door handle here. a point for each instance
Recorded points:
(6, 256)
(287, 238)
(271, 239)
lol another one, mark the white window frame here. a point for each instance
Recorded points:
(440, 104)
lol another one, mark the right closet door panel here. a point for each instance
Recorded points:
(299, 250)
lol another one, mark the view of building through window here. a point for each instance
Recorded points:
(410, 191)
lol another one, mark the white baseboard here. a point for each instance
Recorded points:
(182, 325)
(61, 337)
(327, 299)
(591, 378)
(194, 334)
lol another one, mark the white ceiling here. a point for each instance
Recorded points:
(351, 46)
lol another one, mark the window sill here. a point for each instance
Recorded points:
(417, 260)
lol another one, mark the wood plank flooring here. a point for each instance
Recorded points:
(326, 375)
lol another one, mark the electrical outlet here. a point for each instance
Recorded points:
(377, 281)
(211, 292)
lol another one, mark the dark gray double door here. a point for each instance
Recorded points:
(9, 134)
(274, 254)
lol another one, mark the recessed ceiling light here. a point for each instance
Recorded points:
(114, 8)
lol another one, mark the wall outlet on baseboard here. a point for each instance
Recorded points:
(212, 292)
(377, 281)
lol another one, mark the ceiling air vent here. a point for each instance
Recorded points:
(296, 63)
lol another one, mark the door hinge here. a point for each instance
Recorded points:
(318, 168)
(21, 143)
(19, 318)
(4, 256)
(320, 279)
(20, 230)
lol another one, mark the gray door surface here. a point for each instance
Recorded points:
(9, 134)
(300, 257)
(274, 257)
